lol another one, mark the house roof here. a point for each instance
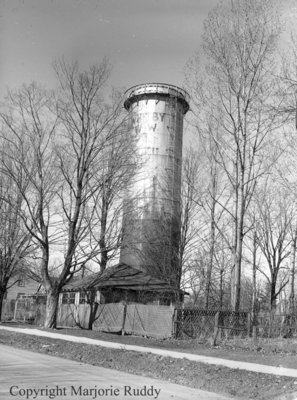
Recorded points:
(121, 276)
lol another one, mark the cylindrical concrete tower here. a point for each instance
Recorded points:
(152, 208)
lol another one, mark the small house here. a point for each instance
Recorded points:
(122, 283)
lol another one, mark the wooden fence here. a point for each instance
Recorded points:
(149, 320)
(136, 319)
(154, 320)
(73, 315)
(110, 318)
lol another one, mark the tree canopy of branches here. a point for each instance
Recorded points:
(275, 216)
(15, 241)
(62, 144)
(232, 92)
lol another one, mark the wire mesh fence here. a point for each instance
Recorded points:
(204, 324)
(234, 323)
(193, 323)
(272, 325)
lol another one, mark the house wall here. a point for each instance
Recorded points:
(116, 295)
(25, 286)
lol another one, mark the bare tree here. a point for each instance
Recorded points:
(287, 170)
(121, 163)
(274, 219)
(62, 145)
(15, 242)
(88, 127)
(292, 271)
(191, 193)
(239, 43)
(29, 162)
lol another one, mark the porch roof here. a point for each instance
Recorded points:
(121, 276)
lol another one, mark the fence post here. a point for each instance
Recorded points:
(174, 323)
(3, 309)
(216, 328)
(15, 309)
(76, 315)
(254, 326)
(249, 325)
(60, 311)
(124, 318)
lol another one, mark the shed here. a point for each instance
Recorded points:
(125, 283)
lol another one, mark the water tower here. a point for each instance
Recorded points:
(152, 207)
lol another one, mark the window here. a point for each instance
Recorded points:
(21, 282)
(71, 297)
(68, 298)
(65, 298)
(83, 297)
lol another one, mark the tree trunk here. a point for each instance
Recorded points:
(211, 251)
(103, 229)
(93, 309)
(254, 297)
(2, 294)
(273, 295)
(235, 281)
(52, 301)
(272, 308)
(236, 273)
(292, 276)
(221, 290)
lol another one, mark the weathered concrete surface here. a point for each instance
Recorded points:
(23, 371)
(265, 369)
(290, 396)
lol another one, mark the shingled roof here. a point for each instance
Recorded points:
(121, 276)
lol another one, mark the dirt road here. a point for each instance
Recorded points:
(235, 364)
(27, 375)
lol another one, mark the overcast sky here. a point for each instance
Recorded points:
(145, 40)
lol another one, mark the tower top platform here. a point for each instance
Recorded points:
(157, 91)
